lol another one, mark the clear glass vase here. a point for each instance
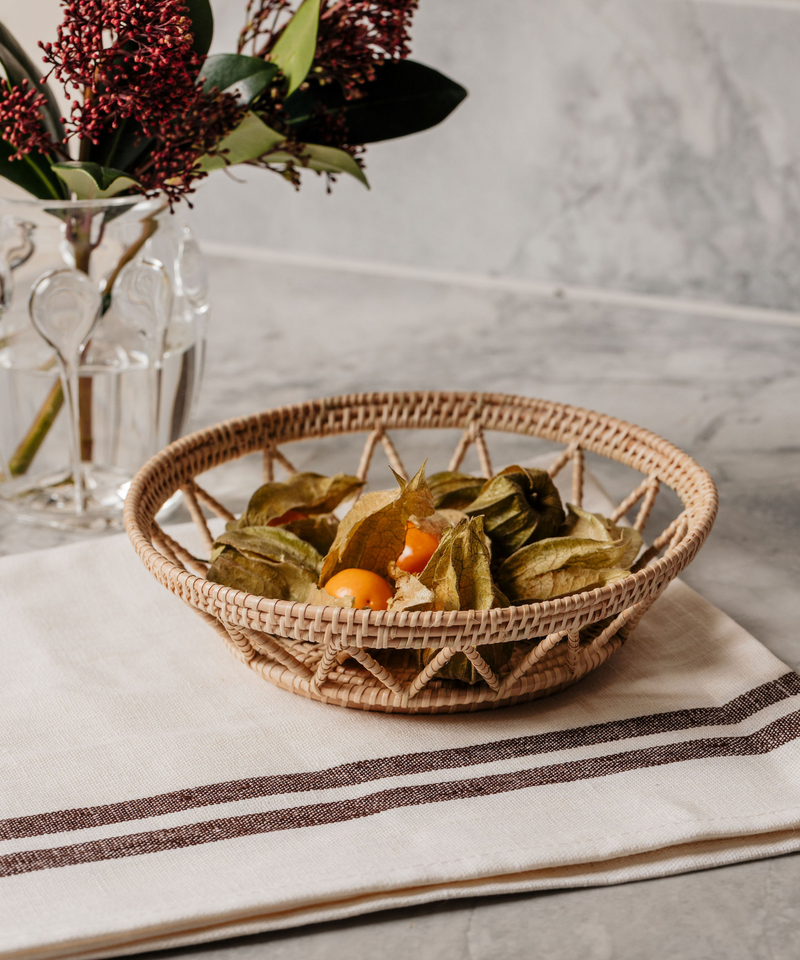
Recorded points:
(137, 372)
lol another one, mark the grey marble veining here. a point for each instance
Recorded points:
(727, 392)
(652, 147)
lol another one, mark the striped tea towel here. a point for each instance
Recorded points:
(155, 792)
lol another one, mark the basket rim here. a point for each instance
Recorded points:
(701, 517)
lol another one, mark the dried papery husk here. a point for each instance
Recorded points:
(519, 506)
(309, 493)
(559, 566)
(372, 534)
(453, 490)
(321, 597)
(267, 561)
(457, 577)
(594, 526)
(319, 531)
(410, 593)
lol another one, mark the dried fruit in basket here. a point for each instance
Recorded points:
(420, 545)
(457, 577)
(306, 494)
(267, 561)
(372, 534)
(590, 552)
(363, 587)
(518, 506)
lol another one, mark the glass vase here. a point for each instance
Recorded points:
(137, 372)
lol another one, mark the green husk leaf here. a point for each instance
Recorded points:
(319, 531)
(267, 561)
(459, 576)
(294, 49)
(90, 181)
(453, 490)
(560, 583)
(246, 77)
(560, 565)
(594, 526)
(519, 506)
(311, 493)
(272, 542)
(372, 534)
(458, 573)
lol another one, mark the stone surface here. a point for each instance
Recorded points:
(727, 392)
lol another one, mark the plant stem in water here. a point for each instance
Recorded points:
(26, 451)
(28, 448)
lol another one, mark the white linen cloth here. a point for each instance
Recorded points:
(155, 792)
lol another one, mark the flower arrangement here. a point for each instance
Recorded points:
(152, 113)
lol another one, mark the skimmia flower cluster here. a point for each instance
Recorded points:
(21, 122)
(150, 111)
(133, 60)
(354, 36)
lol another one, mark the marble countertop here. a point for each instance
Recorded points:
(727, 391)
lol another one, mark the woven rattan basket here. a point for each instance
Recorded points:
(323, 652)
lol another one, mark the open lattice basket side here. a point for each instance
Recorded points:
(323, 652)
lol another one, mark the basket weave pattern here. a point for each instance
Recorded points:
(323, 652)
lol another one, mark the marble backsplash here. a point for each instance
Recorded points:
(640, 146)
(650, 146)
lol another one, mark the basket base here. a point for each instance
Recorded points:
(357, 689)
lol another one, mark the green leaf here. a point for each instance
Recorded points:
(121, 148)
(33, 173)
(373, 533)
(459, 576)
(254, 140)
(249, 141)
(246, 77)
(519, 506)
(19, 66)
(327, 159)
(405, 97)
(90, 181)
(294, 49)
(202, 24)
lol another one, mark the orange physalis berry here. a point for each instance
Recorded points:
(419, 548)
(365, 587)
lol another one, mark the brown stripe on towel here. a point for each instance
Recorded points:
(773, 735)
(364, 771)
